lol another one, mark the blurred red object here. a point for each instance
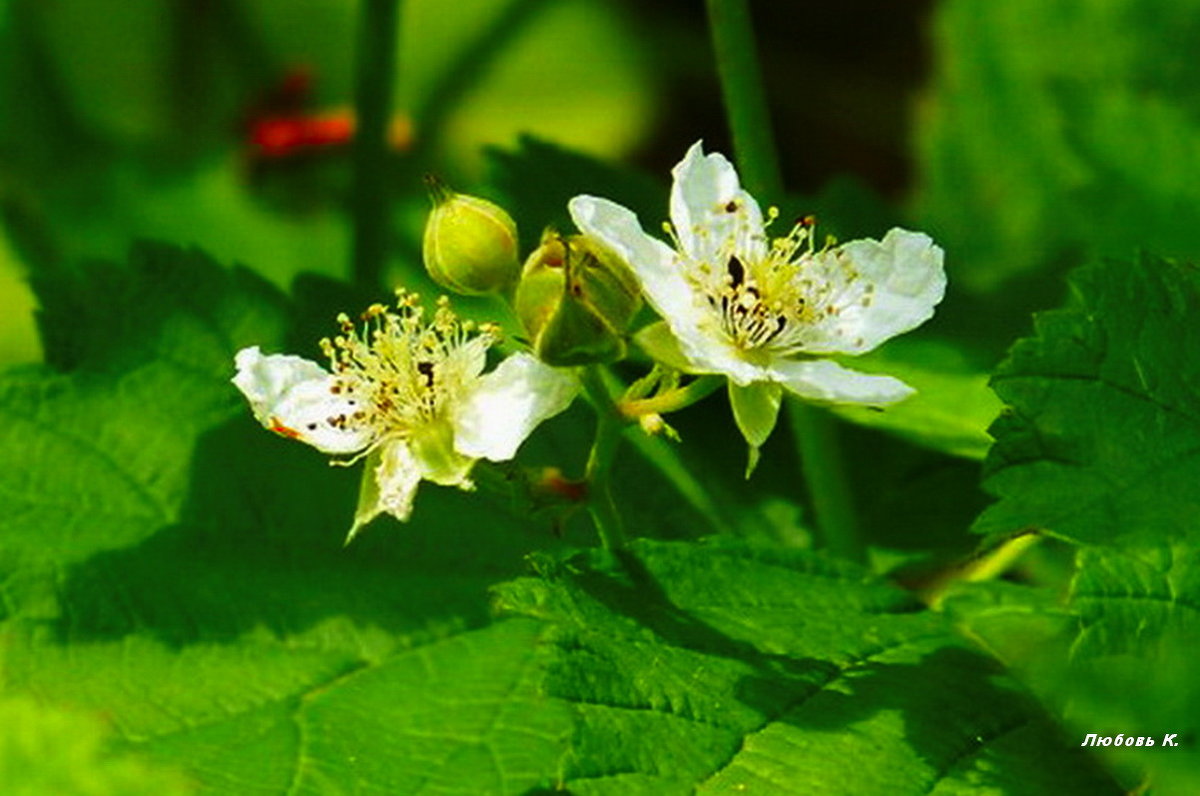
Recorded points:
(281, 125)
(282, 136)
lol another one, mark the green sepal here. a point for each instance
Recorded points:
(661, 345)
(367, 508)
(755, 410)
(433, 447)
(575, 334)
(575, 300)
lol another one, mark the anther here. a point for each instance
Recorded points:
(737, 271)
(426, 370)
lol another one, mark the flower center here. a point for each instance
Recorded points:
(768, 294)
(401, 371)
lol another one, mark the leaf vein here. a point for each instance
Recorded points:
(794, 705)
(973, 748)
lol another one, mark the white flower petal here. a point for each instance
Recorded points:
(292, 396)
(469, 359)
(899, 281)
(654, 262)
(660, 271)
(826, 381)
(709, 209)
(397, 476)
(508, 404)
(263, 379)
(722, 357)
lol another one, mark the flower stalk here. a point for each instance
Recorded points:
(376, 67)
(609, 425)
(673, 400)
(744, 96)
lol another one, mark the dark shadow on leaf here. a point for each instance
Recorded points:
(961, 714)
(260, 546)
(632, 591)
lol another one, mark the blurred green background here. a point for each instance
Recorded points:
(1026, 136)
(137, 122)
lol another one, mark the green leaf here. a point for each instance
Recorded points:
(1117, 656)
(263, 714)
(171, 566)
(1102, 441)
(208, 204)
(62, 752)
(537, 178)
(1101, 446)
(18, 341)
(105, 451)
(1132, 657)
(1130, 602)
(1046, 132)
(722, 668)
(952, 408)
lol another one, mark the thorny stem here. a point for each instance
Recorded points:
(377, 36)
(754, 145)
(600, 459)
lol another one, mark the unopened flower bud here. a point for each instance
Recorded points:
(575, 300)
(470, 243)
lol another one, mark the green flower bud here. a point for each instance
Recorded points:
(470, 243)
(575, 299)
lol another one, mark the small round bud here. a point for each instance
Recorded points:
(653, 425)
(575, 300)
(470, 243)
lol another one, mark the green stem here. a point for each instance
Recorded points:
(745, 100)
(600, 459)
(754, 144)
(825, 476)
(672, 401)
(377, 36)
(666, 459)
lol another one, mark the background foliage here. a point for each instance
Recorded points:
(177, 612)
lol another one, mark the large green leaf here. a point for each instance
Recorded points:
(319, 711)
(1133, 657)
(1059, 132)
(952, 408)
(172, 567)
(1116, 656)
(723, 668)
(1102, 442)
(48, 751)
(1130, 602)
